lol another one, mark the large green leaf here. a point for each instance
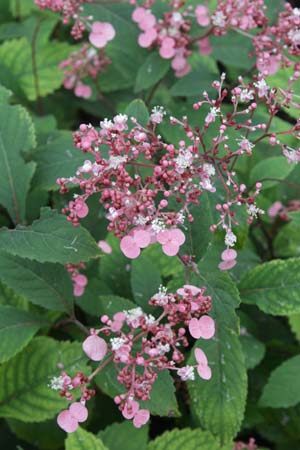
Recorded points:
(124, 435)
(24, 391)
(194, 83)
(57, 158)
(83, 440)
(145, 281)
(283, 387)
(234, 49)
(276, 167)
(219, 403)
(253, 349)
(139, 111)
(17, 328)
(152, 70)
(32, 68)
(47, 284)
(16, 135)
(50, 239)
(274, 287)
(186, 439)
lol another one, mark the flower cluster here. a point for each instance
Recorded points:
(70, 10)
(243, 446)
(140, 346)
(86, 61)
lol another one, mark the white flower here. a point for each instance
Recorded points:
(149, 319)
(158, 225)
(209, 169)
(56, 383)
(245, 145)
(262, 87)
(117, 343)
(253, 210)
(211, 116)
(141, 220)
(163, 348)
(106, 124)
(294, 36)
(87, 166)
(207, 185)
(183, 160)
(246, 95)
(186, 373)
(292, 155)
(161, 297)
(230, 238)
(133, 314)
(115, 161)
(218, 19)
(157, 114)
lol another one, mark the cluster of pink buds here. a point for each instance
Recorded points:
(85, 62)
(70, 10)
(147, 185)
(140, 346)
(79, 280)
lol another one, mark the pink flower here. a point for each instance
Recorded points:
(229, 259)
(82, 90)
(188, 287)
(131, 245)
(274, 209)
(204, 46)
(202, 328)
(138, 14)
(131, 407)
(202, 15)
(268, 64)
(146, 39)
(118, 321)
(80, 208)
(203, 369)
(95, 347)
(167, 49)
(69, 419)
(80, 281)
(171, 240)
(101, 33)
(141, 418)
(105, 247)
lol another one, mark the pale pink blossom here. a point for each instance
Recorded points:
(105, 247)
(202, 15)
(82, 90)
(171, 240)
(95, 347)
(203, 369)
(202, 328)
(101, 34)
(141, 418)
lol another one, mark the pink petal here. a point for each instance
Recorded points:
(227, 265)
(204, 371)
(97, 27)
(167, 52)
(178, 62)
(274, 209)
(200, 356)
(177, 236)
(170, 248)
(81, 280)
(81, 209)
(78, 411)
(98, 40)
(67, 422)
(78, 290)
(94, 347)
(202, 15)
(105, 247)
(146, 39)
(148, 21)
(168, 42)
(131, 407)
(207, 327)
(129, 247)
(141, 418)
(229, 255)
(193, 289)
(141, 238)
(138, 14)
(82, 90)
(108, 31)
(194, 328)
(163, 236)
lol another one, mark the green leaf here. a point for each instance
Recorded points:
(274, 287)
(194, 83)
(50, 239)
(5, 94)
(21, 8)
(151, 72)
(234, 49)
(16, 135)
(274, 167)
(44, 435)
(33, 80)
(184, 439)
(83, 440)
(294, 322)
(47, 285)
(287, 241)
(17, 328)
(139, 111)
(283, 387)
(145, 280)
(124, 435)
(219, 403)
(56, 159)
(24, 391)
(253, 349)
